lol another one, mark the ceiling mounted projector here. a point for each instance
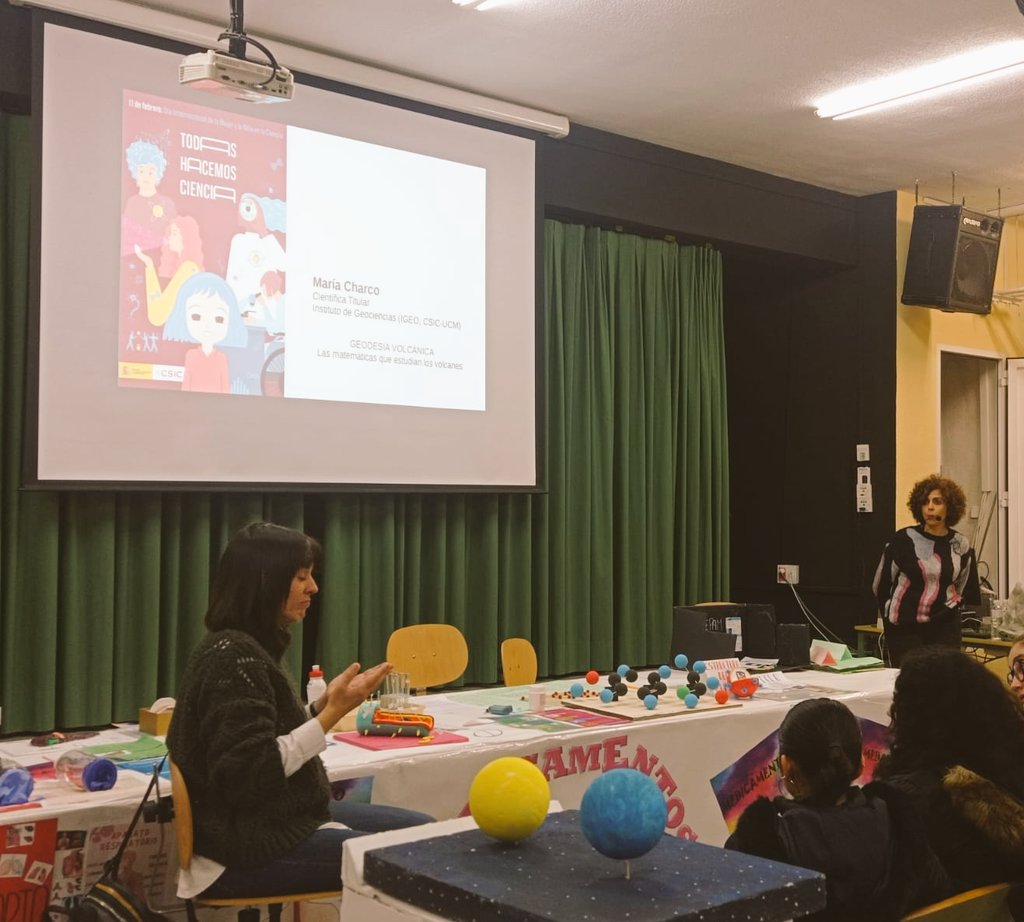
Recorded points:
(232, 74)
(238, 78)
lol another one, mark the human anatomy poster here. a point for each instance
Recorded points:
(26, 867)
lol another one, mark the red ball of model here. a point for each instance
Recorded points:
(721, 696)
(592, 677)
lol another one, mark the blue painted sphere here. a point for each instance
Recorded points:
(622, 670)
(700, 666)
(607, 695)
(650, 702)
(691, 700)
(712, 682)
(576, 689)
(623, 814)
(681, 661)
(664, 671)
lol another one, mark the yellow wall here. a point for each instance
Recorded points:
(920, 332)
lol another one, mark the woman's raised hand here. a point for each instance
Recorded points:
(348, 690)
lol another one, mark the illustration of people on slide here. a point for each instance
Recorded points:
(181, 257)
(206, 312)
(256, 249)
(254, 252)
(203, 193)
(269, 306)
(147, 212)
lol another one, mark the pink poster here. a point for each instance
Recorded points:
(203, 242)
(756, 773)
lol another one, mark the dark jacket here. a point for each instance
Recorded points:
(974, 826)
(872, 849)
(232, 704)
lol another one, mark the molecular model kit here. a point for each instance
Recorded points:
(701, 687)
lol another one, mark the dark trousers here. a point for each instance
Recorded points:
(314, 865)
(901, 639)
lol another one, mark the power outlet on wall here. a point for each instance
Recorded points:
(787, 573)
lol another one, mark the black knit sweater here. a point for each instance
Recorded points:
(232, 704)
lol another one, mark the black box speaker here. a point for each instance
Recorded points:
(694, 636)
(951, 263)
(754, 623)
(793, 645)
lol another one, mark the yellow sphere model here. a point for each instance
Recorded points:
(509, 798)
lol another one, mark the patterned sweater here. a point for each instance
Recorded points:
(232, 704)
(921, 577)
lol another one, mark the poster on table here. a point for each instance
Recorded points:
(757, 773)
(26, 868)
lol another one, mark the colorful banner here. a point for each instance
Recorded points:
(756, 773)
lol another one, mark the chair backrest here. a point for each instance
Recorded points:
(518, 661)
(182, 816)
(432, 654)
(999, 666)
(983, 904)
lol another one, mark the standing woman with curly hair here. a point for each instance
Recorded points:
(924, 571)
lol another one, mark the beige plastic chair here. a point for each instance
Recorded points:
(518, 661)
(247, 905)
(432, 654)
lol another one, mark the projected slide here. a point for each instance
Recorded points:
(274, 261)
(337, 293)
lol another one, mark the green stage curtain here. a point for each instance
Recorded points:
(102, 593)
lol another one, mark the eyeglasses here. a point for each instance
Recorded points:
(1016, 670)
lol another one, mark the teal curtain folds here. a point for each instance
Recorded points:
(102, 594)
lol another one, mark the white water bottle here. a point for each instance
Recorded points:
(316, 686)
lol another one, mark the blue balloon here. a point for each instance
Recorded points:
(623, 814)
(681, 661)
(576, 689)
(650, 702)
(664, 671)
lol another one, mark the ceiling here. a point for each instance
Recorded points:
(729, 79)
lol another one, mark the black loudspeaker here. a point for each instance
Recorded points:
(759, 631)
(793, 645)
(694, 636)
(951, 263)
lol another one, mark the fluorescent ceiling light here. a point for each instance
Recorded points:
(923, 82)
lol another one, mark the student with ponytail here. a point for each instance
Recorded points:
(869, 843)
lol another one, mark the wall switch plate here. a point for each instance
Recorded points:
(863, 452)
(787, 573)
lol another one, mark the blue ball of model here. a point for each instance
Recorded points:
(623, 814)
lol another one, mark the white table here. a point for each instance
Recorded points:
(681, 753)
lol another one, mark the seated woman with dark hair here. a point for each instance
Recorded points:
(869, 843)
(958, 749)
(265, 823)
